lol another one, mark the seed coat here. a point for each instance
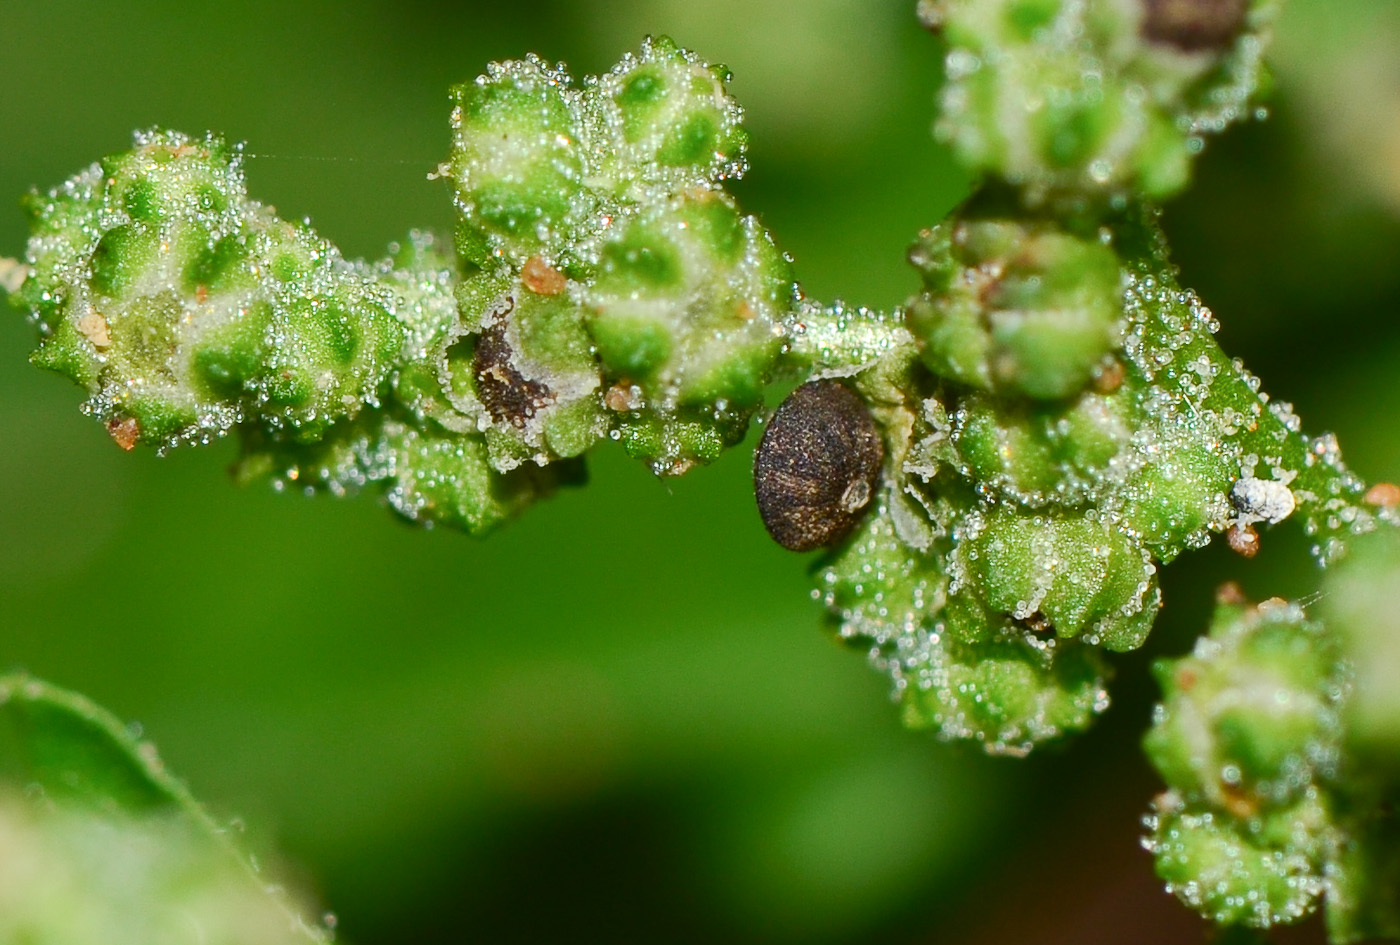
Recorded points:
(817, 466)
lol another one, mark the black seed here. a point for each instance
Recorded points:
(508, 395)
(1194, 25)
(817, 466)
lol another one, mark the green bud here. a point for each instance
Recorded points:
(685, 315)
(1041, 453)
(677, 120)
(1018, 308)
(1250, 719)
(1099, 97)
(518, 161)
(184, 308)
(1067, 574)
(1261, 873)
(1008, 696)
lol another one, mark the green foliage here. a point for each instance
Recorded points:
(1056, 416)
(106, 846)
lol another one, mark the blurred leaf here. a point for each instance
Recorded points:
(150, 842)
(71, 876)
(76, 751)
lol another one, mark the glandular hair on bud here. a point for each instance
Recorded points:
(817, 466)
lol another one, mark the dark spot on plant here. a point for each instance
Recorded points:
(1194, 25)
(508, 395)
(817, 466)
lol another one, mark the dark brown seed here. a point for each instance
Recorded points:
(817, 466)
(1194, 25)
(508, 395)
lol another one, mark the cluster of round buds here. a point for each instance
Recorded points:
(431, 466)
(1112, 97)
(612, 285)
(184, 308)
(1248, 739)
(188, 310)
(1057, 421)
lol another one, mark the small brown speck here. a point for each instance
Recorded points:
(1109, 377)
(201, 294)
(744, 310)
(125, 431)
(1039, 624)
(1384, 494)
(1186, 680)
(541, 278)
(623, 396)
(1237, 802)
(94, 329)
(931, 16)
(1230, 594)
(1243, 540)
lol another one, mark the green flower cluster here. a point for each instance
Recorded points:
(1059, 420)
(615, 285)
(1277, 739)
(1058, 417)
(1072, 97)
(184, 308)
(604, 283)
(1248, 739)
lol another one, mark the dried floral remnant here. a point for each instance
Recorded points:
(508, 395)
(125, 432)
(1384, 494)
(94, 329)
(1243, 540)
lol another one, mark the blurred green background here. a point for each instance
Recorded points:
(617, 719)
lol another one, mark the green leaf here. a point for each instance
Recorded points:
(120, 838)
(75, 751)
